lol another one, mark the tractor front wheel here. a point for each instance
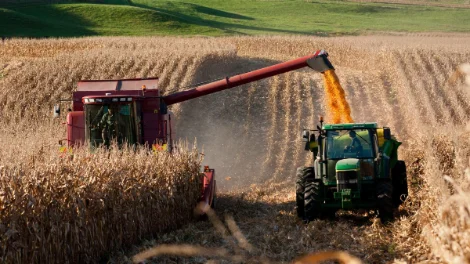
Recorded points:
(307, 192)
(299, 191)
(385, 200)
(312, 206)
(312, 195)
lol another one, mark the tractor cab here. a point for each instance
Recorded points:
(354, 143)
(351, 148)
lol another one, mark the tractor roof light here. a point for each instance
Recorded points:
(129, 99)
(115, 99)
(122, 99)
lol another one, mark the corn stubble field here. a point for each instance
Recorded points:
(87, 207)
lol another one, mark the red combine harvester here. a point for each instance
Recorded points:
(132, 111)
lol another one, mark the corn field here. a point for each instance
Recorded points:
(249, 134)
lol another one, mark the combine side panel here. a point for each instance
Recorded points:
(208, 187)
(153, 123)
(75, 128)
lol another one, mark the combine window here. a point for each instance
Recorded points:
(110, 122)
(343, 144)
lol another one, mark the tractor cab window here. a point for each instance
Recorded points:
(342, 144)
(110, 122)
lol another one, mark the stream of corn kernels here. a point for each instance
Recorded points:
(336, 98)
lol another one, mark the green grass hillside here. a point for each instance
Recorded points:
(220, 17)
(69, 20)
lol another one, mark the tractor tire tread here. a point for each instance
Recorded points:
(303, 175)
(299, 192)
(400, 185)
(385, 200)
(312, 208)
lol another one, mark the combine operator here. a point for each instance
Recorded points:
(108, 123)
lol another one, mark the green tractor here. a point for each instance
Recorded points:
(355, 166)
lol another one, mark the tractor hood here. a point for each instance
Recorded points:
(348, 165)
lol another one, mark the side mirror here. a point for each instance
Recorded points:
(305, 136)
(387, 133)
(56, 111)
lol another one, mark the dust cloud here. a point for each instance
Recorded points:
(251, 134)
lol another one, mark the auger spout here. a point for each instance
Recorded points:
(317, 61)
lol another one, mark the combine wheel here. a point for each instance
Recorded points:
(385, 200)
(400, 185)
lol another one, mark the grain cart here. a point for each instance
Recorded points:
(355, 166)
(132, 111)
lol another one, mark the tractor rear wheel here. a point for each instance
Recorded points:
(312, 196)
(400, 185)
(385, 200)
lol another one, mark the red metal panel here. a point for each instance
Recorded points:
(77, 96)
(75, 128)
(132, 87)
(162, 129)
(153, 131)
(117, 85)
(137, 84)
(97, 86)
(208, 187)
(240, 79)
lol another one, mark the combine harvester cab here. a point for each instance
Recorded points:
(124, 110)
(127, 112)
(355, 167)
(132, 111)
